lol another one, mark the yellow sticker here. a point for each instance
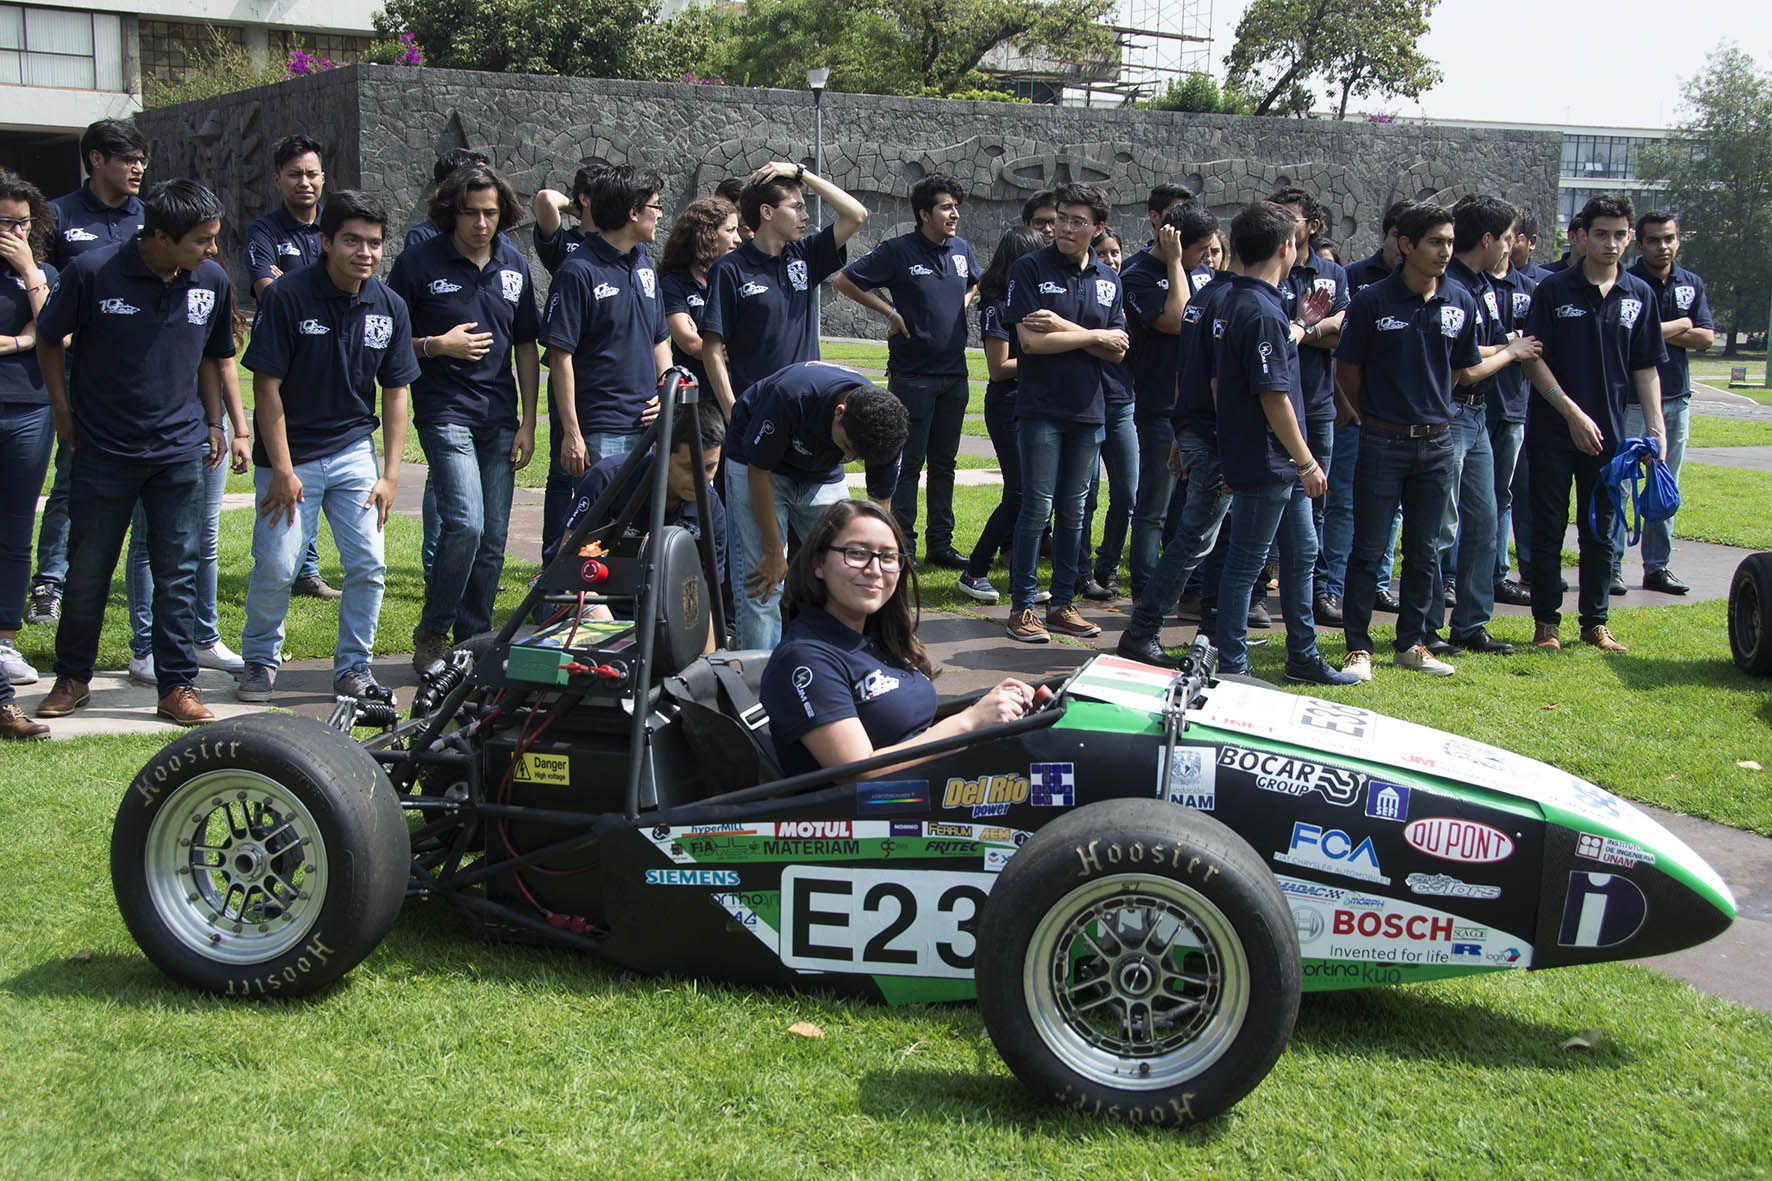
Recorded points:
(533, 768)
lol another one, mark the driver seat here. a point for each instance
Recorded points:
(723, 721)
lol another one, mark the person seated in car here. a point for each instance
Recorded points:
(849, 679)
(680, 484)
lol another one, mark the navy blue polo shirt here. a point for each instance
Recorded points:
(1253, 354)
(928, 285)
(278, 240)
(991, 324)
(1153, 356)
(681, 293)
(137, 343)
(1682, 295)
(442, 288)
(598, 478)
(424, 231)
(782, 424)
(1592, 345)
(760, 305)
(1067, 386)
(1365, 272)
(823, 671)
(1511, 391)
(83, 223)
(21, 380)
(1555, 266)
(1407, 347)
(1489, 332)
(562, 245)
(1194, 410)
(329, 348)
(1316, 367)
(604, 309)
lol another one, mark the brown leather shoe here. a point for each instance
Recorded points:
(16, 727)
(1602, 639)
(181, 706)
(314, 587)
(65, 696)
(1545, 636)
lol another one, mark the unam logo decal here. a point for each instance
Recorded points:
(377, 331)
(199, 303)
(797, 273)
(1451, 321)
(648, 282)
(1104, 292)
(1629, 310)
(510, 284)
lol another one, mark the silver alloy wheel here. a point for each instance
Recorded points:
(1136, 982)
(235, 867)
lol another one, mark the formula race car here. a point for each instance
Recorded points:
(1136, 880)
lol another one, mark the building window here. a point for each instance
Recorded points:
(56, 47)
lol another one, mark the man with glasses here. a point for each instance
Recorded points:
(759, 313)
(105, 211)
(790, 435)
(605, 335)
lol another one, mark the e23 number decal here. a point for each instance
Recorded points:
(891, 923)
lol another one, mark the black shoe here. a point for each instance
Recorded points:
(1441, 648)
(1145, 650)
(1096, 592)
(1451, 593)
(1481, 641)
(947, 559)
(1618, 587)
(1513, 593)
(1258, 615)
(1663, 580)
(1328, 610)
(1386, 601)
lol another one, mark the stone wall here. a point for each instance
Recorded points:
(384, 126)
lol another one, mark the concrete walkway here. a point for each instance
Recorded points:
(974, 652)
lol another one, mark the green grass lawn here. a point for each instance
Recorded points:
(1726, 505)
(442, 1055)
(1728, 432)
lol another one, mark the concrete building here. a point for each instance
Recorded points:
(64, 64)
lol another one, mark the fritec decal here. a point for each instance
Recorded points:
(1450, 839)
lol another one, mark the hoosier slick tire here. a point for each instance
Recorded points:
(1137, 961)
(259, 856)
(1750, 615)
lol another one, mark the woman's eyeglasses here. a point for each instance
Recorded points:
(857, 557)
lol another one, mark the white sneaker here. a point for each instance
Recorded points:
(1421, 660)
(141, 669)
(13, 667)
(1358, 664)
(219, 656)
(1042, 595)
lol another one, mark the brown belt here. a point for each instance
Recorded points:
(1416, 431)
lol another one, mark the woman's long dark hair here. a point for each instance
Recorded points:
(1015, 242)
(692, 236)
(894, 625)
(14, 187)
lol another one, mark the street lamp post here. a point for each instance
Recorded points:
(816, 77)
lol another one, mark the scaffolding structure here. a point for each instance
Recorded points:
(1156, 42)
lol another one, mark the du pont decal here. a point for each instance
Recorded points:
(1451, 839)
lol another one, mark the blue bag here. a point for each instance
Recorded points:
(1657, 500)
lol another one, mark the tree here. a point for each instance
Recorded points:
(1197, 92)
(591, 38)
(1717, 167)
(901, 46)
(1349, 47)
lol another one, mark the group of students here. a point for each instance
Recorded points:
(1219, 378)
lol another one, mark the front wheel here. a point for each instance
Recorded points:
(1750, 615)
(1137, 960)
(257, 856)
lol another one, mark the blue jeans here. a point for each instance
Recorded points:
(797, 502)
(469, 483)
(27, 435)
(339, 484)
(1119, 454)
(557, 496)
(52, 536)
(1057, 459)
(1150, 508)
(1468, 529)
(1201, 516)
(999, 420)
(1258, 514)
(104, 491)
(1554, 467)
(1504, 444)
(1338, 518)
(1395, 470)
(937, 406)
(1658, 536)
(138, 574)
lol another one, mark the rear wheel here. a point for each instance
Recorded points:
(1750, 614)
(1137, 960)
(259, 855)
